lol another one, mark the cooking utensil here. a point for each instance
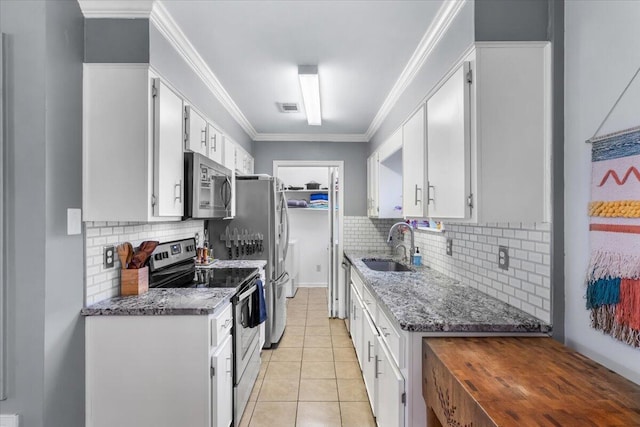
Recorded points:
(122, 254)
(129, 252)
(143, 254)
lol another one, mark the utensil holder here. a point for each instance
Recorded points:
(134, 281)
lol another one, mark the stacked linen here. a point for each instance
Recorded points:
(319, 201)
(293, 203)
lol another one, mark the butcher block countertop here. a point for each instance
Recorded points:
(522, 381)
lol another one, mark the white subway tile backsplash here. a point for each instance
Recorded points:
(526, 284)
(104, 283)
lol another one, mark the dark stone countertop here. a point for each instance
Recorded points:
(172, 301)
(425, 300)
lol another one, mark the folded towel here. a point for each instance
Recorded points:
(318, 196)
(293, 203)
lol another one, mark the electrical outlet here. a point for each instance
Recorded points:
(503, 257)
(109, 254)
(197, 237)
(450, 246)
(318, 268)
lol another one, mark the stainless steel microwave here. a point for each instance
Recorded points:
(207, 188)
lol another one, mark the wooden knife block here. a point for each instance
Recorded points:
(134, 281)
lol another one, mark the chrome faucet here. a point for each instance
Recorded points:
(403, 245)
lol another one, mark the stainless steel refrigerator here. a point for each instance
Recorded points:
(259, 230)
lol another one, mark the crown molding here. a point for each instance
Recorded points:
(312, 137)
(168, 27)
(116, 8)
(438, 27)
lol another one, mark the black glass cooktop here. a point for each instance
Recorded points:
(223, 277)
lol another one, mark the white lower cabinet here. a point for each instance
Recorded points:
(355, 326)
(391, 397)
(222, 384)
(159, 371)
(380, 349)
(369, 338)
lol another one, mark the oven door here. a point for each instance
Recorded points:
(246, 337)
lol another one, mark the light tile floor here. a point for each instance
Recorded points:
(313, 377)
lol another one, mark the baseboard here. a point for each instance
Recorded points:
(312, 285)
(9, 421)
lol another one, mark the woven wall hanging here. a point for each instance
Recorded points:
(613, 278)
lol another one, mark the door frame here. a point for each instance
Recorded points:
(339, 310)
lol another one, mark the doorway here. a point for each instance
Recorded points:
(314, 191)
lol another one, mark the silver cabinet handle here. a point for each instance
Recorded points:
(431, 196)
(376, 366)
(416, 195)
(369, 351)
(179, 187)
(203, 138)
(215, 142)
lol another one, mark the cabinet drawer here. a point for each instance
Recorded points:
(358, 284)
(221, 326)
(369, 302)
(390, 335)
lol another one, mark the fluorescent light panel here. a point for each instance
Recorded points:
(310, 87)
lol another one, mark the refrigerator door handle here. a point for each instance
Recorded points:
(286, 216)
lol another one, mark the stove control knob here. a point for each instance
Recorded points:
(165, 255)
(157, 256)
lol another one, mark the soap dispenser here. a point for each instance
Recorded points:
(417, 257)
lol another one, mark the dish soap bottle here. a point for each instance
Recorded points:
(417, 257)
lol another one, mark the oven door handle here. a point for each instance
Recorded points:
(245, 294)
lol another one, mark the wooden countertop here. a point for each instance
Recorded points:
(522, 382)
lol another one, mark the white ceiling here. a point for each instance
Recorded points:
(254, 47)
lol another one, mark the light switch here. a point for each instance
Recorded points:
(74, 221)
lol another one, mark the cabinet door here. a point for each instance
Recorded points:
(369, 336)
(215, 144)
(372, 185)
(355, 327)
(449, 148)
(250, 164)
(196, 135)
(229, 153)
(168, 157)
(413, 165)
(222, 385)
(390, 411)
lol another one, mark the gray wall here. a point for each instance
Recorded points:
(170, 65)
(116, 40)
(354, 155)
(511, 20)
(45, 354)
(601, 56)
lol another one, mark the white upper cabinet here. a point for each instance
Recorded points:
(449, 148)
(229, 155)
(243, 161)
(511, 116)
(372, 186)
(169, 161)
(215, 144)
(132, 145)
(413, 165)
(196, 131)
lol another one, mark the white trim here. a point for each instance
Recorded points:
(324, 137)
(9, 421)
(438, 27)
(116, 8)
(168, 27)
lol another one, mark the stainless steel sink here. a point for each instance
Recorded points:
(385, 265)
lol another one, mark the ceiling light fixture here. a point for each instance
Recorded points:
(310, 86)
